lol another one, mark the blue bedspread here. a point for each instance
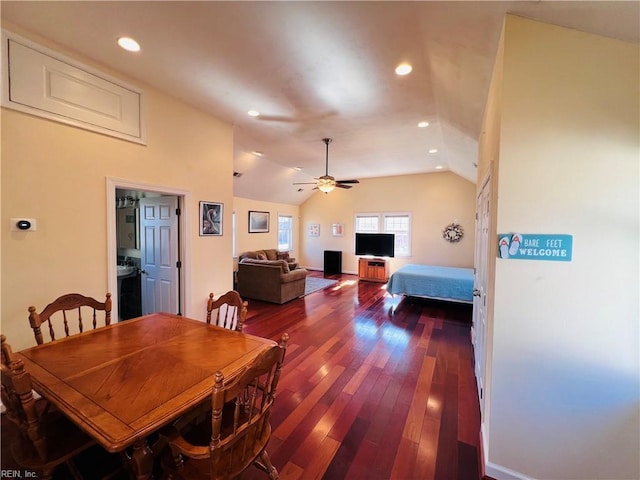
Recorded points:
(445, 283)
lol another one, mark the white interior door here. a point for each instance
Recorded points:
(159, 254)
(478, 331)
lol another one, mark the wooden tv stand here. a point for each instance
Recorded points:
(373, 269)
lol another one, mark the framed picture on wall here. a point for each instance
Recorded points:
(314, 230)
(258, 222)
(210, 218)
(337, 229)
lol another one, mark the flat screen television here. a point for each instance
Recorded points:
(376, 244)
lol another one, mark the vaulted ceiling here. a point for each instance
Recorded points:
(316, 70)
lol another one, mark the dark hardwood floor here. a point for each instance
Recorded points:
(368, 394)
(373, 387)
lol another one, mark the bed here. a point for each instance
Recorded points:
(441, 283)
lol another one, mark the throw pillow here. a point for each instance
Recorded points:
(271, 254)
(284, 265)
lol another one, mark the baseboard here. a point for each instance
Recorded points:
(502, 473)
(490, 470)
(481, 457)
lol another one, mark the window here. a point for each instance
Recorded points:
(396, 223)
(285, 232)
(400, 224)
(367, 223)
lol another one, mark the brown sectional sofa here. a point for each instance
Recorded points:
(269, 280)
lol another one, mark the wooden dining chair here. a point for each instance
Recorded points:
(41, 442)
(231, 310)
(238, 429)
(60, 307)
(6, 353)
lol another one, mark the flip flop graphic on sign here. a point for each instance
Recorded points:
(516, 240)
(503, 245)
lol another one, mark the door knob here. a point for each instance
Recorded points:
(476, 292)
(143, 271)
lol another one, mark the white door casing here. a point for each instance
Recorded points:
(158, 251)
(112, 184)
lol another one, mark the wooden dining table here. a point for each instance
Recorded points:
(122, 382)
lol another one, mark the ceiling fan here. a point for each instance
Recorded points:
(327, 183)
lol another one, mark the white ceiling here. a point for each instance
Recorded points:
(319, 69)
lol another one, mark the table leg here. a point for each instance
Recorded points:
(141, 461)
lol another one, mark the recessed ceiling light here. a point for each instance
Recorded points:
(297, 169)
(423, 124)
(403, 69)
(253, 113)
(129, 44)
(433, 150)
(438, 167)
(257, 153)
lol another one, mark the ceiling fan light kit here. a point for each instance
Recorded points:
(327, 183)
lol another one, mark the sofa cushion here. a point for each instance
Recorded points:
(267, 254)
(253, 260)
(244, 255)
(284, 266)
(271, 253)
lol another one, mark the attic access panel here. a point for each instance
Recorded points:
(42, 82)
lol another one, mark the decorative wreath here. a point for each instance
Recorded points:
(453, 233)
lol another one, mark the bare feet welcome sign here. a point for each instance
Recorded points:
(534, 246)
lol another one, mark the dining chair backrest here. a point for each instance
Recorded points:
(231, 310)
(43, 441)
(239, 428)
(17, 397)
(60, 308)
(6, 351)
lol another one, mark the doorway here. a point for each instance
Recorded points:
(479, 325)
(157, 281)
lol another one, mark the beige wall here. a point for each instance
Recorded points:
(565, 355)
(57, 175)
(434, 201)
(246, 241)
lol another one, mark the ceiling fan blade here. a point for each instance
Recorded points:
(348, 181)
(340, 185)
(304, 183)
